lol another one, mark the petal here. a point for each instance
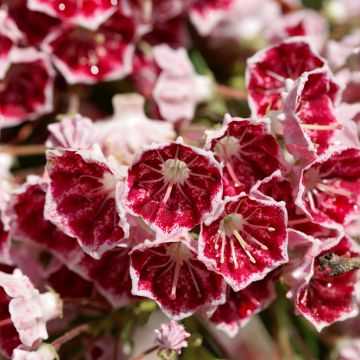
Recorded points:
(81, 199)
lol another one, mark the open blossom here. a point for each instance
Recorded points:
(329, 186)
(173, 186)
(44, 352)
(26, 91)
(90, 16)
(85, 177)
(171, 337)
(34, 25)
(169, 271)
(246, 240)
(323, 298)
(88, 56)
(123, 134)
(271, 71)
(206, 15)
(29, 310)
(247, 151)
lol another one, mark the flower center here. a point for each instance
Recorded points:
(175, 171)
(227, 147)
(315, 184)
(109, 182)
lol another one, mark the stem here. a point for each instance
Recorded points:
(23, 150)
(74, 103)
(76, 331)
(228, 92)
(146, 352)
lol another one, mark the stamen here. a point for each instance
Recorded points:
(167, 194)
(271, 229)
(233, 254)
(318, 127)
(222, 256)
(333, 190)
(194, 279)
(175, 279)
(232, 173)
(264, 247)
(244, 245)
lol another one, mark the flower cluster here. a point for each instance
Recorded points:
(161, 204)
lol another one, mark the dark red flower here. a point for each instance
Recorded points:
(324, 299)
(246, 241)
(270, 70)
(168, 271)
(85, 56)
(330, 186)
(81, 198)
(34, 25)
(88, 14)
(247, 151)
(26, 92)
(173, 186)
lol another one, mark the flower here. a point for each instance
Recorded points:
(29, 310)
(44, 352)
(178, 88)
(86, 56)
(329, 186)
(169, 271)
(247, 151)
(85, 177)
(310, 123)
(90, 16)
(123, 134)
(321, 297)
(271, 71)
(173, 186)
(171, 337)
(246, 240)
(72, 132)
(29, 70)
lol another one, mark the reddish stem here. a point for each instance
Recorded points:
(76, 331)
(24, 150)
(228, 92)
(146, 352)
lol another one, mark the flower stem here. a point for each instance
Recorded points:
(73, 333)
(228, 92)
(23, 150)
(146, 352)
